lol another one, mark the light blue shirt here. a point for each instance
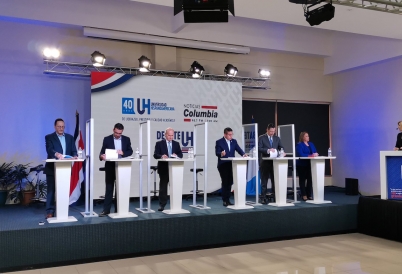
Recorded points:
(169, 147)
(62, 140)
(117, 144)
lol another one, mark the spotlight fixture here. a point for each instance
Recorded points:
(98, 59)
(320, 14)
(264, 73)
(230, 70)
(51, 53)
(204, 11)
(196, 69)
(145, 64)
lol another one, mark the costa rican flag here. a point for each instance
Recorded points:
(77, 171)
(101, 81)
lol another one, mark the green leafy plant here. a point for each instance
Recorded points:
(19, 176)
(6, 178)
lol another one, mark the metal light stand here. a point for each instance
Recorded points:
(204, 206)
(293, 153)
(89, 164)
(148, 155)
(251, 203)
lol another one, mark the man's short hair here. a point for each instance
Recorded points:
(226, 130)
(270, 126)
(118, 126)
(399, 122)
(168, 129)
(58, 120)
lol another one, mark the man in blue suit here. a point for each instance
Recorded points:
(224, 148)
(58, 144)
(167, 148)
(122, 144)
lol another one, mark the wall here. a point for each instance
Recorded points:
(294, 77)
(31, 101)
(365, 110)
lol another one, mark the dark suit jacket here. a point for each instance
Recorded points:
(53, 145)
(399, 141)
(221, 145)
(264, 144)
(161, 149)
(108, 143)
(304, 151)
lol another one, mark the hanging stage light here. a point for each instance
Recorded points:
(145, 64)
(320, 14)
(230, 70)
(51, 53)
(196, 69)
(264, 73)
(98, 59)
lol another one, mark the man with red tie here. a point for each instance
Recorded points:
(224, 148)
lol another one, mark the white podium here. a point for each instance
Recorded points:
(176, 168)
(318, 176)
(391, 174)
(123, 182)
(239, 169)
(281, 180)
(62, 175)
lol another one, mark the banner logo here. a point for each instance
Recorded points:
(199, 113)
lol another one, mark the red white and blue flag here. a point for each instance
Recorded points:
(77, 171)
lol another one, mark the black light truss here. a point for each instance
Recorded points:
(390, 6)
(84, 70)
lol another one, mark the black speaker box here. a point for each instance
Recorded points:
(351, 186)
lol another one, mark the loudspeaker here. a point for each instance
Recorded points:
(351, 186)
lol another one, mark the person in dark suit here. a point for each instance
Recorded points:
(58, 144)
(122, 144)
(224, 148)
(398, 145)
(305, 148)
(164, 149)
(268, 143)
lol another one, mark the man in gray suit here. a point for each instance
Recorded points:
(268, 143)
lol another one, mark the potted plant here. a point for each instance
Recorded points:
(19, 176)
(5, 181)
(28, 192)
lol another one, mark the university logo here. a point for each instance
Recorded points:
(131, 106)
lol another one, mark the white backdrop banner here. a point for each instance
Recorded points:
(166, 102)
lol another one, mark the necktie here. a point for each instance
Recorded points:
(170, 149)
(270, 141)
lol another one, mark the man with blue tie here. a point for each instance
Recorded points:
(58, 144)
(166, 148)
(224, 148)
(122, 144)
(268, 143)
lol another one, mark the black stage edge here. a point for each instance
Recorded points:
(38, 247)
(380, 218)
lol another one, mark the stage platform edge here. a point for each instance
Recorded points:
(56, 246)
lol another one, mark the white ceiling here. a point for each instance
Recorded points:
(347, 19)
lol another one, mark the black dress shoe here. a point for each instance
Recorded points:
(225, 203)
(229, 202)
(263, 201)
(104, 214)
(310, 198)
(161, 208)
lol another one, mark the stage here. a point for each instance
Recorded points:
(26, 244)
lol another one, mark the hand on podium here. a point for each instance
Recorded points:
(223, 153)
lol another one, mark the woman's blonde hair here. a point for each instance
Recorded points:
(302, 135)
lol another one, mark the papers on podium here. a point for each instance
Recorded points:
(273, 154)
(111, 154)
